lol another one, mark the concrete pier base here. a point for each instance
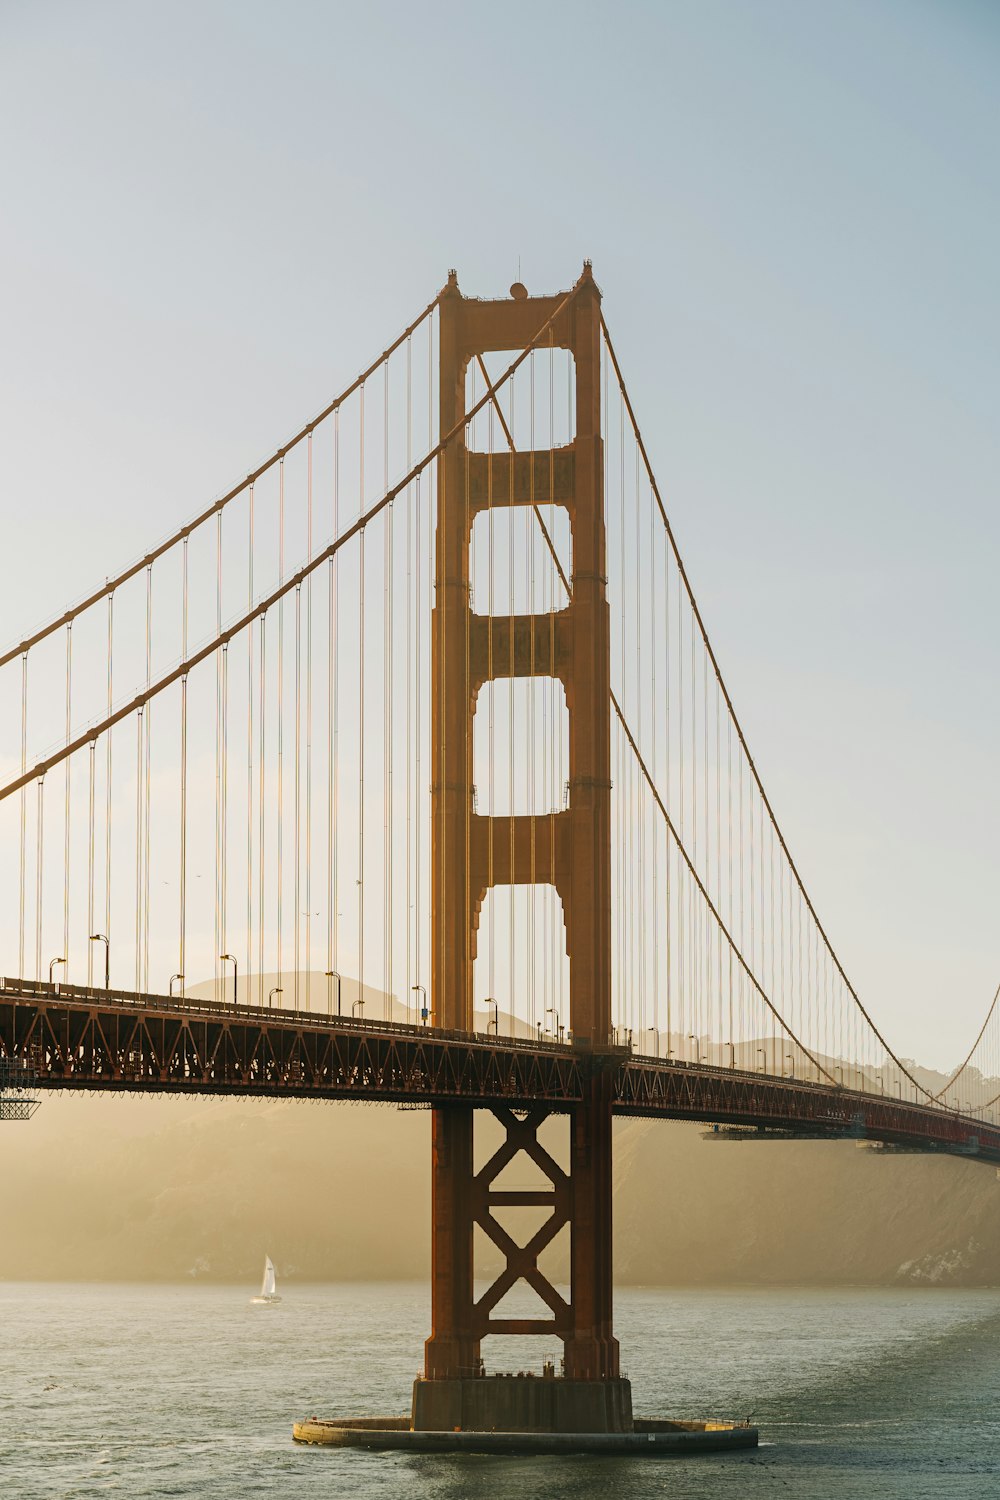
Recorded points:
(525, 1414)
(522, 1403)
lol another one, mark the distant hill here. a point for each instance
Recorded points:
(103, 1187)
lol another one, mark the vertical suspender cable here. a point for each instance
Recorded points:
(639, 1019)
(655, 714)
(718, 840)
(281, 710)
(24, 813)
(219, 948)
(39, 889)
(147, 779)
(546, 896)
(309, 713)
(138, 848)
(511, 702)
(66, 831)
(333, 690)
(107, 776)
(361, 710)
(410, 673)
(92, 776)
(262, 809)
(387, 684)
(297, 876)
(494, 908)
(182, 896)
(250, 738)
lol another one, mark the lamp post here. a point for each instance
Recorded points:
(693, 1038)
(732, 1053)
(655, 1030)
(276, 990)
(357, 1007)
(170, 986)
(332, 974)
(495, 1023)
(52, 965)
(424, 1012)
(99, 937)
(550, 1010)
(761, 1052)
(790, 1057)
(229, 958)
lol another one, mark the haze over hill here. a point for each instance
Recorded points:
(164, 1189)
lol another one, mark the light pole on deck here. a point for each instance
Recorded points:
(229, 958)
(332, 974)
(99, 937)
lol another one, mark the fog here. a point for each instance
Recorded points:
(130, 1188)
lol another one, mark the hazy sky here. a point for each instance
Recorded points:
(215, 214)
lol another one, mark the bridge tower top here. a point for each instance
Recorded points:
(472, 853)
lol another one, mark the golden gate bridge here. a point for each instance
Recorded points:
(415, 746)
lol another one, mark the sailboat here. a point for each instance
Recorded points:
(267, 1292)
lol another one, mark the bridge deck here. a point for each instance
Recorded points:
(79, 1038)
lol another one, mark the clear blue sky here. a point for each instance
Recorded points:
(215, 213)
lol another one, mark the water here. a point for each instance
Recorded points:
(160, 1391)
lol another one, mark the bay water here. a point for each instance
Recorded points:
(149, 1390)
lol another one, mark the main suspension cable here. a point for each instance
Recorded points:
(697, 616)
(111, 584)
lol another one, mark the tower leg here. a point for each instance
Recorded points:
(591, 1351)
(452, 1351)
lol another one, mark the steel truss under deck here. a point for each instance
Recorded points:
(86, 1039)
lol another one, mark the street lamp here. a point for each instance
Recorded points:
(550, 1010)
(424, 1011)
(693, 1038)
(332, 974)
(98, 937)
(762, 1053)
(495, 1023)
(51, 967)
(228, 957)
(732, 1053)
(790, 1057)
(170, 986)
(357, 1007)
(656, 1037)
(277, 990)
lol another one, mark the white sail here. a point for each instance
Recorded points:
(267, 1287)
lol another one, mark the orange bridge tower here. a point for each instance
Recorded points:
(471, 852)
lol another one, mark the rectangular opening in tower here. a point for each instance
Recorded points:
(520, 748)
(519, 558)
(534, 408)
(521, 970)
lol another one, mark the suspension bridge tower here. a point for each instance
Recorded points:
(472, 852)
